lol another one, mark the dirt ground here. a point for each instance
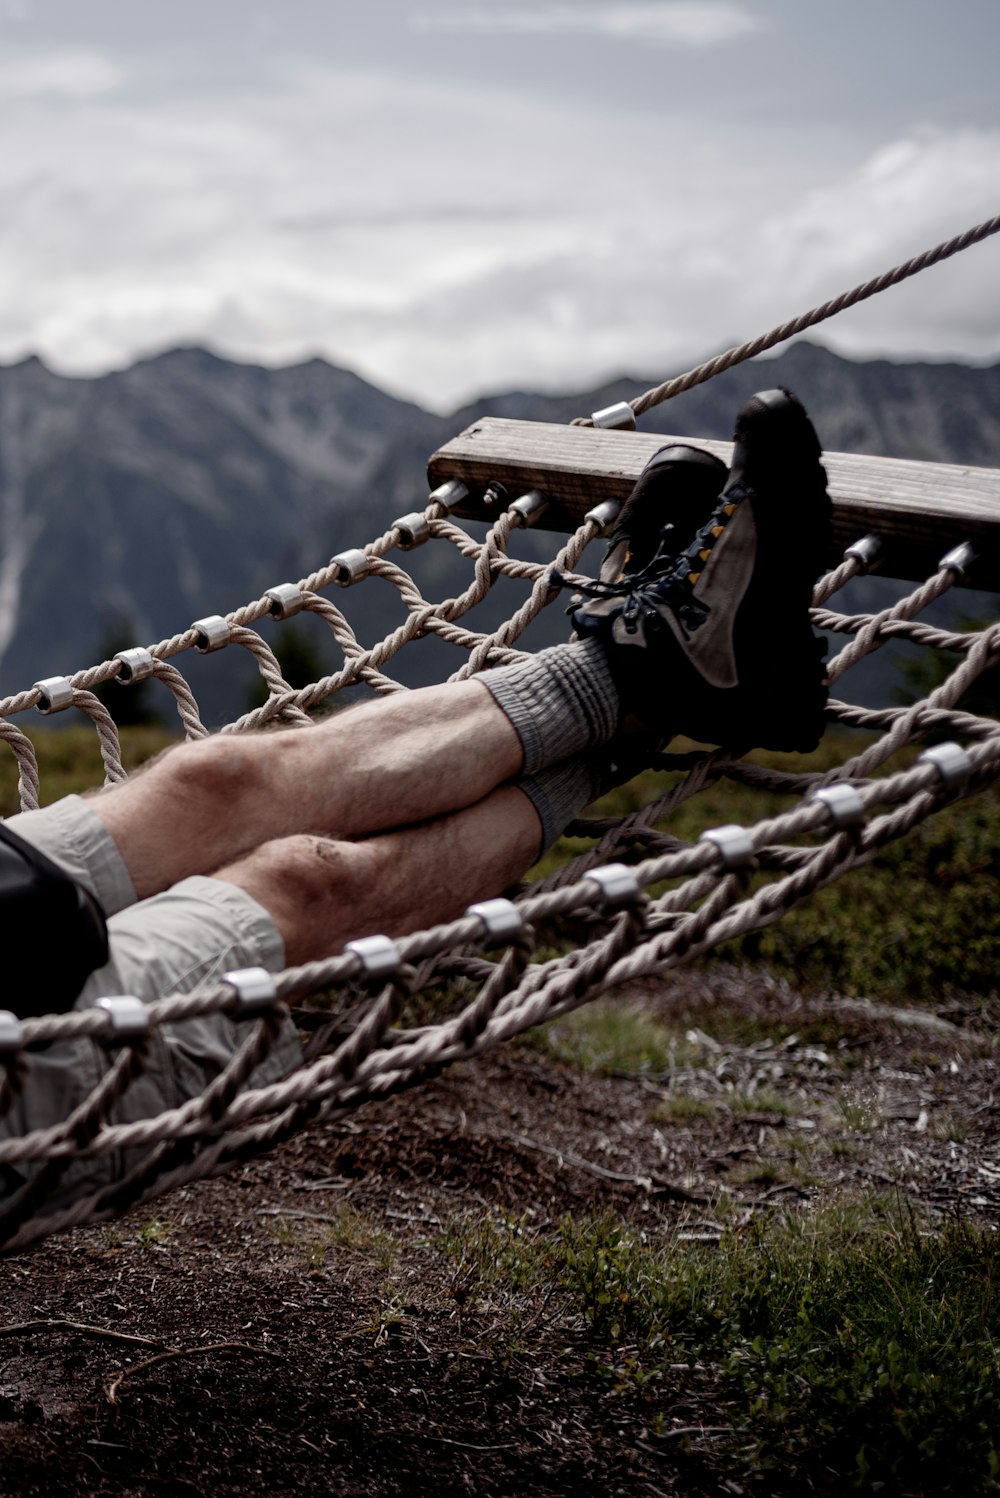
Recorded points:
(302, 1326)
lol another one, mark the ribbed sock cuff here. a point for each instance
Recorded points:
(560, 792)
(560, 701)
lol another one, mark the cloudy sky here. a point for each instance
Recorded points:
(458, 196)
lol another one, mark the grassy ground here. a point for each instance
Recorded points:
(850, 1338)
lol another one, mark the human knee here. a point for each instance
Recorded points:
(216, 771)
(305, 871)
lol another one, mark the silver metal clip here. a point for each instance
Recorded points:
(56, 694)
(11, 1032)
(605, 514)
(378, 955)
(284, 601)
(350, 567)
(501, 918)
(866, 551)
(213, 633)
(255, 989)
(959, 559)
(733, 843)
(619, 416)
(950, 760)
(616, 882)
(450, 495)
(413, 529)
(135, 665)
(530, 507)
(129, 1018)
(844, 804)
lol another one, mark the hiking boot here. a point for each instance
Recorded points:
(675, 494)
(672, 499)
(724, 623)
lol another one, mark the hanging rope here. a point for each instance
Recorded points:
(755, 346)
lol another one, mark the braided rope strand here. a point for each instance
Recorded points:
(749, 350)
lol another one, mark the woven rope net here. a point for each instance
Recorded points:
(686, 898)
(364, 1038)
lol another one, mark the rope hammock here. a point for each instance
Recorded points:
(645, 900)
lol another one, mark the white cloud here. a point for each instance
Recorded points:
(692, 23)
(907, 197)
(448, 241)
(72, 73)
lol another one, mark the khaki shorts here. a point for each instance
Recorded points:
(170, 943)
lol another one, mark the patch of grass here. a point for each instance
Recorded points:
(759, 1173)
(868, 1351)
(389, 1317)
(69, 760)
(353, 1230)
(284, 1231)
(765, 1100)
(348, 1230)
(859, 1114)
(849, 1341)
(156, 1232)
(947, 1126)
(614, 1037)
(499, 1249)
(736, 1027)
(678, 1107)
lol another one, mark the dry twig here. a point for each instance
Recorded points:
(114, 1384)
(59, 1324)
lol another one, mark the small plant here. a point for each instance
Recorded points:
(353, 1231)
(765, 1100)
(947, 1126)
(860, 1114)
(678, 1107)
(613, 1037)
(389, 1317)
(758, 1173)
(844, 1148)
(349, 1231)
(502, 1262)
(155, 1233)
(284, 1231)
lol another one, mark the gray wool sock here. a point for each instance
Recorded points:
(560, 792)
(560, 701)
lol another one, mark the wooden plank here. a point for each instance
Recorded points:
(921, 510)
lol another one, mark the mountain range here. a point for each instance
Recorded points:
(134, 502)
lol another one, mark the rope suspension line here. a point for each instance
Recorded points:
(825, 310)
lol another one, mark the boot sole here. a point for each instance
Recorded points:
(785, 684)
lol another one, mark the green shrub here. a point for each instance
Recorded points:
(869, 1353)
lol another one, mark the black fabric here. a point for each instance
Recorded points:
(53, 931)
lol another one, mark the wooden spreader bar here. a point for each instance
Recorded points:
(920, 510)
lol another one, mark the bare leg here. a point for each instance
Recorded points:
(321, 893)
(386, 764)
